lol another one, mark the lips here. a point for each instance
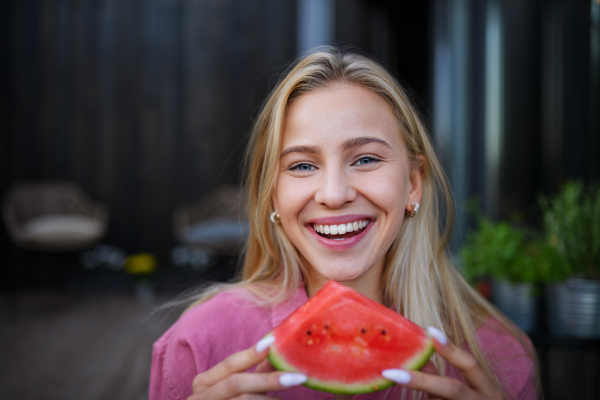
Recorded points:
(340, 233)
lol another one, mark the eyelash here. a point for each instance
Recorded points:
(373, 159)
(295, 167)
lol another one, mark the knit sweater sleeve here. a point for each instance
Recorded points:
(200, 339)
(510, 360)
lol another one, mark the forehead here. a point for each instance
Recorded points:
(335, 114)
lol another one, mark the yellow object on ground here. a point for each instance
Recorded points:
(142, 263)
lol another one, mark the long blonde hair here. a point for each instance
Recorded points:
(420, 281)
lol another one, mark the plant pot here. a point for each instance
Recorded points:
(518, 303)
(574, 308)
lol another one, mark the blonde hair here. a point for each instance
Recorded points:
(421, 282)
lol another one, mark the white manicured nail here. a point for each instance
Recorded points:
(438, 335)
(290, 379)
(396, 375)
(264, 343)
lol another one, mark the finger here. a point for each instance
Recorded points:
(464, 361)
(264, 366)
(242, 383)
(435, 386)
(244, 396)
(430, 368)
(237, 362)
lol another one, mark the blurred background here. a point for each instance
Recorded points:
(123, 126)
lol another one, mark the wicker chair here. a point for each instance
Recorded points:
(216, 221)
(53, 216)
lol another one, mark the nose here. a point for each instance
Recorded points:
(335, 189)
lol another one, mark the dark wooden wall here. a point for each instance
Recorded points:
(145, 103)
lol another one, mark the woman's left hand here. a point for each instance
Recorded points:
(477, 386)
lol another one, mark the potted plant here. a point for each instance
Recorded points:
(572, 223)
(515, 261)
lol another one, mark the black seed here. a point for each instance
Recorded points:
(308, 332)
(363, 330)
(383, 332)
(326, 326)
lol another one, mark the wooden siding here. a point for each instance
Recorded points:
(145, 104)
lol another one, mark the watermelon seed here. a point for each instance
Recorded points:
(308, 332)
(363, 330)
(326, 326)
(383, 332)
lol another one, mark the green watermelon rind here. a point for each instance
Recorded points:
(416, 363)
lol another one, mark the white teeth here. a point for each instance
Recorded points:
(340, 229)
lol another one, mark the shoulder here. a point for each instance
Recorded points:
(230, 313)
(202, 337)
(510, 357)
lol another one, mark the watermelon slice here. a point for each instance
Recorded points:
(342, 341)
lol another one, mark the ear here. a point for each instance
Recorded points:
(416, 183)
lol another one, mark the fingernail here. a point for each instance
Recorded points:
(438, 335)
(290, 379)
(264, 343)
(396, 375)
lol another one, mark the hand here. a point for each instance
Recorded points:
(477, 387)
(227, 380)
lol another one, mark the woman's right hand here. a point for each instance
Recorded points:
(227, 379)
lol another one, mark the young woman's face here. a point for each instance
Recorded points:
(344, 182)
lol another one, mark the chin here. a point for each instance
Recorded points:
(340, 274)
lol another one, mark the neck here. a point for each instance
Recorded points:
(369, 284)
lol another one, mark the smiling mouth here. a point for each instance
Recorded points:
(341, 231)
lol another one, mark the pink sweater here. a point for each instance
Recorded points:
(230, 322)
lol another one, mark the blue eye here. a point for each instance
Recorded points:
(302, 167)
(366, 161)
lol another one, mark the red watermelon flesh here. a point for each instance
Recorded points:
(342, 341)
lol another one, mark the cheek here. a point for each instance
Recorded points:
(387, 191)
(292, 196)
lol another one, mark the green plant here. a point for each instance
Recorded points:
(500, 250)
(572, 224)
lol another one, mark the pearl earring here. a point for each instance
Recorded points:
(274, 217)
(415, 210)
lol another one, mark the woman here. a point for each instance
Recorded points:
(343, 183)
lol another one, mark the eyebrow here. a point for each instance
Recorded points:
(348, 144)
(300, 149)
(355, 142)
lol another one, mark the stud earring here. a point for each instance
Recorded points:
(415, 210)
(274, 217)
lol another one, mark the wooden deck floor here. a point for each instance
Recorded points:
(79, 347)
(92, 347)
